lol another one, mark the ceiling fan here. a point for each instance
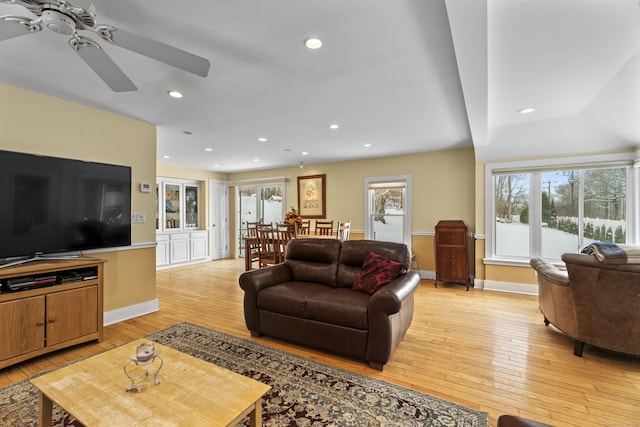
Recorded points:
(67, 18)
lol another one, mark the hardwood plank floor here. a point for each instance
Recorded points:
(486, 350)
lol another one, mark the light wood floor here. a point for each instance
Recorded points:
(486, 350)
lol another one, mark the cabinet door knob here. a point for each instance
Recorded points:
(51, 320)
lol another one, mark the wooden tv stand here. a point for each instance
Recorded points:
(66, 312)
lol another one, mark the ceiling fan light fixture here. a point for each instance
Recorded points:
(313, 43)
(58, 22)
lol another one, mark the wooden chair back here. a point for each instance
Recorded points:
(265, 226)
(303, 228)
(251, 243)
(283, 238)
(252, 228)
(343, 230)
(324, 228)
(269, 247)
(282, 226)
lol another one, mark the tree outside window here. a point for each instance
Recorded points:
(577, 207)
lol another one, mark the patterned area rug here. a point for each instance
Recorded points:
(304, 392)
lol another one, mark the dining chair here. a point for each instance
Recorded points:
(251, 242)
(283, 226)
(303, 227)
(343, 230)
(265, 226)
(324, 228)
(269, 247)
(283, 238)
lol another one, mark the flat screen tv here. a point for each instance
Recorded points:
(51, 205)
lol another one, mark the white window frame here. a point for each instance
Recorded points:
(617, 159)
(368, 227)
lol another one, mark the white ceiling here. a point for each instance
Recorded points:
(405, 76)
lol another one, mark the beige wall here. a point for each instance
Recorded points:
(39, 124)
(443, 185)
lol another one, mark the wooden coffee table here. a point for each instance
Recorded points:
(191, 392)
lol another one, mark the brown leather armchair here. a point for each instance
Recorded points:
(593, 302)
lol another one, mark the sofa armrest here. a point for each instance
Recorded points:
(549, 272)
(255, 280)
(390, 298)
(251, 283)
(390, 315)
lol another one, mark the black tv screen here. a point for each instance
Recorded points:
(50, 205)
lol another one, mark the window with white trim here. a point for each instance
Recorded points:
(387, 208)
(545, 211)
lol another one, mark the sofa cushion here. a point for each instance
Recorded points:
(354, 252)
(377, 271)
(290, 297)
(313, 260)
(339, 306)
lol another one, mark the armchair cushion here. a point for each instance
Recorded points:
(377, 271)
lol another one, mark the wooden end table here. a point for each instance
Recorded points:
(191, 392)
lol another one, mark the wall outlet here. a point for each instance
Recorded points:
(138, 218)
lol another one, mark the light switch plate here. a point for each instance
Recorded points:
(138, 218)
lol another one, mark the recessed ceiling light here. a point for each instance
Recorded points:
(526, 110)
(313, 43)
(256, 160)
(334, 126)
(175, 94)
(367, 145)
(262, 139)
(216, 165)
(208, 149)
(166, 157)
(304, 153)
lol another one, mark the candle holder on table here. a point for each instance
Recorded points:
(143, 368)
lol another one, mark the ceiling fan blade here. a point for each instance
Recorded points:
(102, 64)
(14, 26)
(156, 50)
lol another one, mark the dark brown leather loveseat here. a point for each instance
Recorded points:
(309, 300)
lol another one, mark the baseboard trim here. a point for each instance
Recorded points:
(129, 312)
(425, 274)
(182, 264)
(514, 288)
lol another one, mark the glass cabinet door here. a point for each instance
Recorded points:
(172, 206)
(191, 217)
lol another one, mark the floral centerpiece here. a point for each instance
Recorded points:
(292, 218)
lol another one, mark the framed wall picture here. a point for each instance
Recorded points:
(311, 196)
